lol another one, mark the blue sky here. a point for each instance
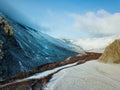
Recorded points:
(59, 17)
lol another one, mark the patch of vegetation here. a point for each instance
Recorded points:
(6, 27)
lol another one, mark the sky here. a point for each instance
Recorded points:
(69, 18)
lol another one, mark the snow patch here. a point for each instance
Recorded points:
(45, 73)
(89, 76)
(22, 67)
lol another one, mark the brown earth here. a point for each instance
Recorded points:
(38, 84)
(111, 53)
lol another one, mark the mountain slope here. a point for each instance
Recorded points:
(111, 53)
(27, 48)
(93, 44)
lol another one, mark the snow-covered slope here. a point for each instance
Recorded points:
(92, 44)
(92, 75)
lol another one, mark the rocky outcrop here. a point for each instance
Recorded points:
(111, 53)
(1, 52)
(6, 27)
(38, 84)
(1, 57)
(7, 43)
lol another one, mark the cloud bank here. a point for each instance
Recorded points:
(100, 23)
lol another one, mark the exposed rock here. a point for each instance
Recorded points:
(1, 58)
(6, 27)
(1, 52)
(7, 42)
(111, 53)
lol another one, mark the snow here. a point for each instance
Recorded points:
(45, 73)
(89, 76)
(93, 44)
(21, 66)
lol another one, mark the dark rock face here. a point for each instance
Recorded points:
(7, 29)
(24, 48)
(7, 42)
(1, 57)
(1, 52)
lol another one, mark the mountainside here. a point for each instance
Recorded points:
(111, 53)
(23, 48)
(93, 44)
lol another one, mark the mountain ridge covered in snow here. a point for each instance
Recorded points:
(92, 44)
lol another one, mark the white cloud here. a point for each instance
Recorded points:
(97, 23)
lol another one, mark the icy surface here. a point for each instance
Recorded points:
(89, 76)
